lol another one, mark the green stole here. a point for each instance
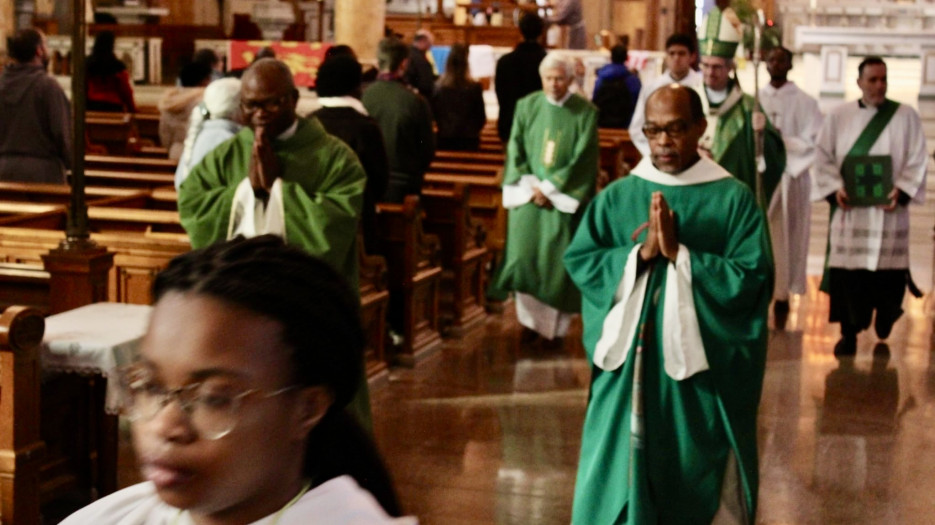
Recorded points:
(859, 166)
(856, 163)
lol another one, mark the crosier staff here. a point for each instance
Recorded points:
(760, 159)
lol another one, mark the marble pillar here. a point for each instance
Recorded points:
(359, 24)
(6, 24)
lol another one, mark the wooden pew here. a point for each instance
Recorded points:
(60, 193)
(470, 157)
(128, 179)
(148, 126)
(120, 133)
(24, 284)
(374, 303)
(463, 256)
(485, 198)
(132, 164)
(21, 448)
(414, 278)
(466, 168)
(142, 251)
(114, 131)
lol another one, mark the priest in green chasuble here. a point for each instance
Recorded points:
(282, 175)
(733, 116)
(550, 173)
(676, 274)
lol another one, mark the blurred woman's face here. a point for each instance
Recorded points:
(230, 368)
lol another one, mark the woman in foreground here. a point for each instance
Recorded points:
(237, 400)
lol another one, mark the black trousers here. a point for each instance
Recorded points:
(855, 294)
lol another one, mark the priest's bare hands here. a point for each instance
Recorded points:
(893, 200)
(841, 198)
(759, 121)
(665, 227)
(540, 200)
(264, 166)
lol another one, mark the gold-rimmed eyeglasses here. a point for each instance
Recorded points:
(212, 406)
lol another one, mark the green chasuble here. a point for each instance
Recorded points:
(558, 144)
(322, 189)
(691, 425)
(734, 146)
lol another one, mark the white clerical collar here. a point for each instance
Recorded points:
(716, 96)
(343, 102)
(290, 131)
(705, 170)
(560, 102)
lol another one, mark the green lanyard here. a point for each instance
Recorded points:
(276, 517)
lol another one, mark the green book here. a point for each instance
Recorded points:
(868, 179)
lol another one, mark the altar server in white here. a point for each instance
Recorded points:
(681, 53)
(797, 117)
(868, 252)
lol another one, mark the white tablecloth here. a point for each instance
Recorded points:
(95, 339)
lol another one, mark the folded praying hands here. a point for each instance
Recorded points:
(661, 238)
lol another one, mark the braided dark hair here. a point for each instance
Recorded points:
(320, 322)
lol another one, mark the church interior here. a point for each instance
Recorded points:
(477, 425)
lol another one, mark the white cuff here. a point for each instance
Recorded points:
(563, 203)
(622, 322)
(682, 347)
(250, 217)
(515, 195)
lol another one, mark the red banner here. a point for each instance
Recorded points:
(303, 58)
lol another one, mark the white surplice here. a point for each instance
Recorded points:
(798, 119)
(339, 501)
(693, 80)
(869, 238)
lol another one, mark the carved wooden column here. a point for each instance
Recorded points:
(359, 24)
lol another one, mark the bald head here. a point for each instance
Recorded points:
(674, 124)
(269, 96)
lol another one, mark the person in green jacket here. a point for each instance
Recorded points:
(282, 175)
(676, 274)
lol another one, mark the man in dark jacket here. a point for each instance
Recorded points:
(518, 72)
(344, 116)
(405, 120)
(616, 91)
(35, 117)
(420, 74)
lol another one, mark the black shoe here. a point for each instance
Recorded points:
(883, 327)
(780, 314)
(881, 350)
(847, 346)
(527, 336)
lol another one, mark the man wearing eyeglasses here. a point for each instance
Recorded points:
(733, 118)
(675, 272)
(282, 175)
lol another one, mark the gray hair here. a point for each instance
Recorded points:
(557, 61)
